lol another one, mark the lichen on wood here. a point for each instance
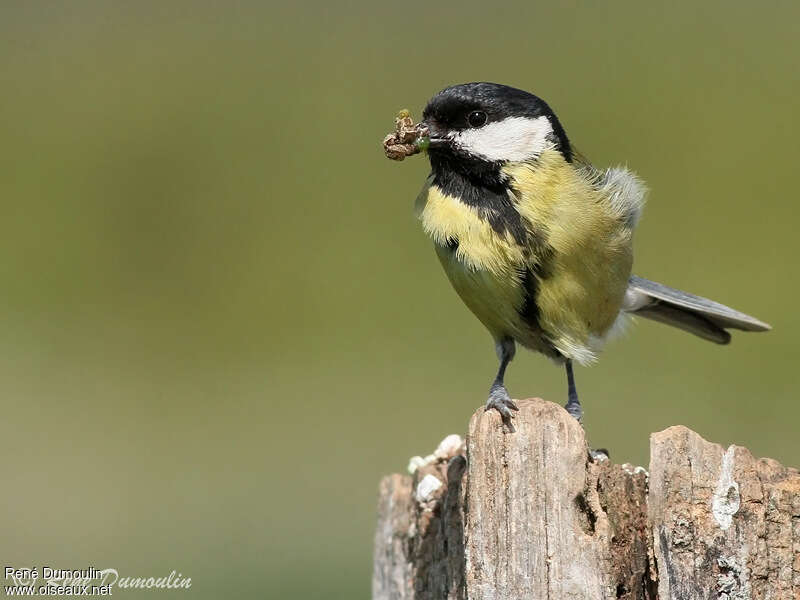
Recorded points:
(722, 520)
(531, 515)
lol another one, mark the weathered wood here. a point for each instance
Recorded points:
(536, 526)
(530, 515)
(725, 524)
(392, 577)
(419, 542)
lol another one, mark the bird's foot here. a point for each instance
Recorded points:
(574, 408)
(502, 403)
(599, 455)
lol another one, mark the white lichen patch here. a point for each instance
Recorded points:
(426, 488)
(733, 579)
(417, 462)
(726, 499)
(631, 470)
(414, 463)
(448, 447)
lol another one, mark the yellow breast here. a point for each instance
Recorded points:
(579, 246)
(485, 267)
(580, 298)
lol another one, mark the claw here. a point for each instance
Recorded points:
(502, 403)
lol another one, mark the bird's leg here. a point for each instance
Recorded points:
(498, 395)
(573, 405)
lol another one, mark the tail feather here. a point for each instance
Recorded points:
(700, 316)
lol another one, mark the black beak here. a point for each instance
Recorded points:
(435, 136)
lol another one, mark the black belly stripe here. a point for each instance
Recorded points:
(529, 311)
(540, 254)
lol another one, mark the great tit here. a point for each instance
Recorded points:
(536, 241)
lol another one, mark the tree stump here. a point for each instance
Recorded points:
(529, 515)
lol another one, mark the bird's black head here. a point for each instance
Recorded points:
(474, 125)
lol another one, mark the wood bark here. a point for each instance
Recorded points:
(530, 515)
(725, 525)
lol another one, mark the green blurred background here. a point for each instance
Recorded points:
(220, 323)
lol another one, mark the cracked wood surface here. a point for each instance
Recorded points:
(725, 524)
(529, 515)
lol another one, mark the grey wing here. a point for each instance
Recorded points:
(697, 315)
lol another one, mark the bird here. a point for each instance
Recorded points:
(536, 241)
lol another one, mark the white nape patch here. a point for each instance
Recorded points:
(514, 139)
(726, 500)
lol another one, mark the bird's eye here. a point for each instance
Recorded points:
(477, 118)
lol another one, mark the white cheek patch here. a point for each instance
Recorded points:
(514, 139)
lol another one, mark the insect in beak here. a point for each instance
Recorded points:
(430, 136)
